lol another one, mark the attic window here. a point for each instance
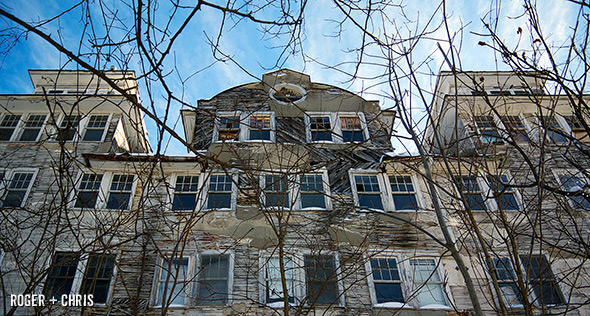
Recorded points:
(288, 93)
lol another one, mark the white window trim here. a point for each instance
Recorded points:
(192, 278)
(237, 114)
(81, 271)
(406, 277)
(205, 179)
(336, 137)
(327, 193)
(199, 195)
(20, 126)
(563, 125)
(291, 191)
(245, 128)
(8, 174)
(575, 173)
(417, 191)
(104, 189)
(82, 124)
(364, 128)
(300, 288)
(484, 189)
(386, 201)
(488, 193)
(532, 296)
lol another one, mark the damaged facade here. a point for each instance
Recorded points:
(292, 201)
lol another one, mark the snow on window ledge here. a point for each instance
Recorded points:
(435, 306)
(392, 305)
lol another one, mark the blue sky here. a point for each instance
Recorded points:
(195, 74)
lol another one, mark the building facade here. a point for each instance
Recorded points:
(292, 201)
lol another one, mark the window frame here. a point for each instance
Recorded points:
(192, 277)
(216, 128)
(576, 174)
(326, 193)
(548, 128)
(289, 190)
(20, 126)
(409, 292)
(7, 179)
(333, 117)
(481, 131)
(233, 194)
(104, 190)
(380, 181)
(483, 190)
(300, 277)
(417, 192)
(364, 129)
(492, 199)
(532, 296)
(198, 193)
(247, 128)
(82, 127)
(81, 270)
(524, 130)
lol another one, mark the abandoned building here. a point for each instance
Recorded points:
(293, 201)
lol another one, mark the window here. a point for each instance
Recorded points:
(427, 282)
(259, 127)
(97, 277)
(17, 188)
(119, 195)
(8, 126)
(321, 279)
(541, 278)
(368, 192)
(68, 128)
(386, 280)
(219, 194)
(404, 194)
(180, 282)
(515, 128)
(320, 128)
(172, 284)
(488, 130)
(185, 193)
(228, 128)
(507, 281)
(95, 128)
(471, 191)
(504, 194)
(67, 267)
(32, 127)
(276, 191)
(88, 190)
(312, 191)
(352, 130)
(576, 185)
(577, 127)
(213, 279)
(537, 271)
(273, 282)
(554, 131)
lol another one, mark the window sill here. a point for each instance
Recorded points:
(395, 305)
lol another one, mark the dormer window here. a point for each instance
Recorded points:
(352, 129)
(259, 127)
(320, 128)
(228, 128)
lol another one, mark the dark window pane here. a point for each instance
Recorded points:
(321, 135)
(93, 135)
(277, 199)
(97, 278)
(313, 200)
(13, 198)
(353, 136)
(86, 199)
(370, 201)
(542, 280)
(259, 135)
(118, 201)
(219, 200)
(405, 202)
(321, 279)
(61, 274)
(29, 135)
(213, 276)
(507, 201)
(475, 202)
(184, 201)
(389, 292)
